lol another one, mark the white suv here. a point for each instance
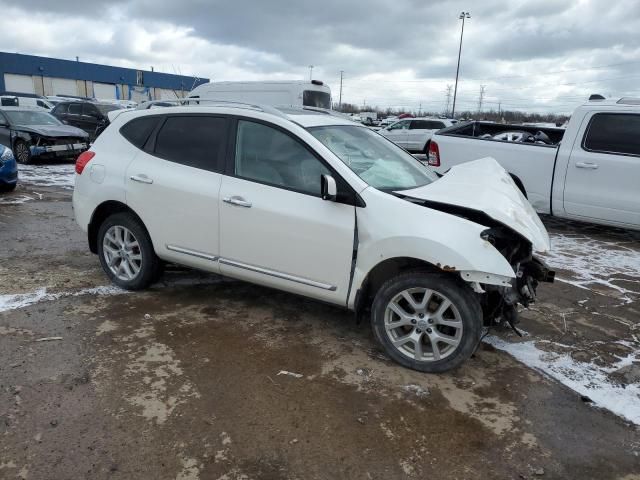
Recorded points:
(312, 203)
(414, 134)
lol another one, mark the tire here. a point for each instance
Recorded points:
(9, 187)
(133, 267)
(455, 330)
(21, 152)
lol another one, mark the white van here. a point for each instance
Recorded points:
(295, 93)
(11, 99)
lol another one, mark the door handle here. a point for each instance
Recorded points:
(236, 200)
(592, 166)
(141, 178)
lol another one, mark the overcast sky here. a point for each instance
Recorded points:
(543, 55)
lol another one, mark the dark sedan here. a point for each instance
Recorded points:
(33, 133)
(89, 116)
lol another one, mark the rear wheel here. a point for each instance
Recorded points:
(21, 152)
(427, 322)
(126, 252)
(10, 187)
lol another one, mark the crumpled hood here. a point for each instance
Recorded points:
(53, 130)
(485, 186)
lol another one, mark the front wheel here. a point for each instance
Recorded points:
(126, 252)
(22, 152)
(426, 321)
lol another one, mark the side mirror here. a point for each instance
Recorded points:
(328, 188)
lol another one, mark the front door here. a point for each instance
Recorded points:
(397, 133)
(603, 174)
(275, 229)
(173, 185)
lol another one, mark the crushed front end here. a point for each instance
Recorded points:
(499, 304)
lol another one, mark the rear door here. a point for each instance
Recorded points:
(603, 172)
(275, 229)
(74, 115)
(90, 118)
(173, 185)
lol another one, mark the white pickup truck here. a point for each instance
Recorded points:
(588, 172)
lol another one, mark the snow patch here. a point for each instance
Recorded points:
(593, 262)
(585, 378)
(62, 175)
(21, 300)
(17, 200)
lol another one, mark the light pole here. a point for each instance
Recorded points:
(310, 72)
(463, 16)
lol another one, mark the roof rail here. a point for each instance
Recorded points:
(182, 102)
(629, 101)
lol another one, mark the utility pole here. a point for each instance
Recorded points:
(481, 98)
(463, 16)
(340, 101)
(446, 110)
(310, 72)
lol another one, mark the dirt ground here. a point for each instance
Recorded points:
(206, 378)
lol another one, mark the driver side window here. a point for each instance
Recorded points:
(398, 125)
(267, 155)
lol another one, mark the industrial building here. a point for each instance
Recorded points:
(52, 76)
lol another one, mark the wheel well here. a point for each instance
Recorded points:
(385, 270)
(519, 184)
(100, 214)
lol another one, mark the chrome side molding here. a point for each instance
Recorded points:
(193, 253)
(273, 273)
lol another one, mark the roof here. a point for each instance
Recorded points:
(24, 109)
(624, 101)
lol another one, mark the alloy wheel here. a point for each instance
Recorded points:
(122, 252)
(423, 324)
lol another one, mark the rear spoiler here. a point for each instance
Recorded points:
(113, 114)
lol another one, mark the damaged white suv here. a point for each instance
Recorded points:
(309, 202)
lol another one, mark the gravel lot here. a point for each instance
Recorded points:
(202, 377)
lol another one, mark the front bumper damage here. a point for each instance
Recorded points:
(500, 304)
(70, 149)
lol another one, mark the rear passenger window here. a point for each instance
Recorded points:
(75, 109)
(137, 131)
(613, 133)
(419, 125)
(197, 141)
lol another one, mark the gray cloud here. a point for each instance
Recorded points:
(394, 53)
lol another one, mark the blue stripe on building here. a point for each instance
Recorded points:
(14, 63)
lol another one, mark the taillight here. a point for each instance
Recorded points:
(434, 154)
(82, 161)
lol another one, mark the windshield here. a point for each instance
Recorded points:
(104, 108)
(24, 117)
(373, 158)
(313, 98)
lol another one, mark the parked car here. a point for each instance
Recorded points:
(89, 116)
(314, 204)
(8, 170)
(588, 172)
(9, 99)
(414, 134)
(35, 133)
